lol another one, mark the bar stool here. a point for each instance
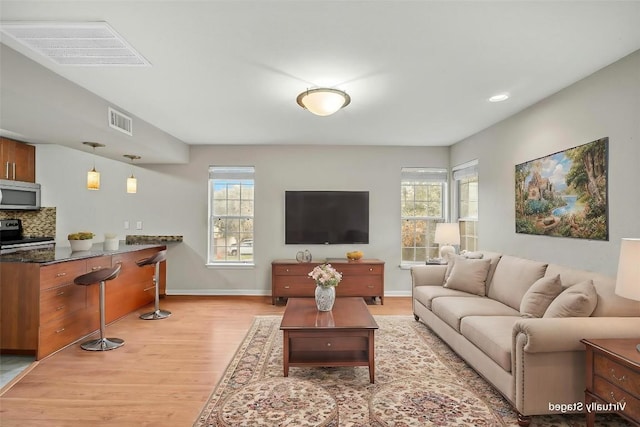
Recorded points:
(156, 259)
(100, 276)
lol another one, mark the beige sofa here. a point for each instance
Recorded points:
(534, 362)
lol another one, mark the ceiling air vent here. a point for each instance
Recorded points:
(120, 121)
(75, 43)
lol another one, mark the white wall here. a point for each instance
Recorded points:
(172, 199)
(606, 103)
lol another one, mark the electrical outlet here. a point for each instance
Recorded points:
(138, 225)
(126, 225)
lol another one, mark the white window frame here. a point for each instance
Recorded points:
(218, 245)
(431, 176)
(459, 173)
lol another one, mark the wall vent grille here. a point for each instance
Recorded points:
(120, 121)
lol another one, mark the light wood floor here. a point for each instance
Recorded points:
(162, 376)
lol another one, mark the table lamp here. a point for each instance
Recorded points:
(447, 234)
(628, 278)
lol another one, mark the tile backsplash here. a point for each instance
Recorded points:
(41, 223)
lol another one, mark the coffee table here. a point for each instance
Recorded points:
(343, 336)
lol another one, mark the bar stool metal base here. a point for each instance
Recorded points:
(156, 315)
(102, 344)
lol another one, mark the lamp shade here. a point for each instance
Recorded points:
(132, 184)
(93, 180)
(323, 101)
(628, 277)
(447, 233)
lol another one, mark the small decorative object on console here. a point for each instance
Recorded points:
(354, 255)
(304, 256)
(326, 278)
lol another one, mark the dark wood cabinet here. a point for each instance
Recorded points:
(363, 278)
(43, 311)
(612, 378)
(17, 160)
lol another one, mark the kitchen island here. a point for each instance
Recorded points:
(42, 310)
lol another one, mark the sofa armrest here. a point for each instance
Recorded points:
(564, 334)
(428, 275)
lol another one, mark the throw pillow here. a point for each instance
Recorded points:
(468, 275)
(540, 295)
(576, 301)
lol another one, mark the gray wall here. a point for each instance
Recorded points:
(606, 103)
(172, 199)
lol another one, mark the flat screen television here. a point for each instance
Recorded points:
(326, 217)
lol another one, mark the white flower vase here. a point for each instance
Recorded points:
(325, 297)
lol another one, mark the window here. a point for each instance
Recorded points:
(231, 210)
(466, 188)
(422, 204)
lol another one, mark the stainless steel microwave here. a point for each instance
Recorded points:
(21, 195)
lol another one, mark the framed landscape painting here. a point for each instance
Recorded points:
(565, 194)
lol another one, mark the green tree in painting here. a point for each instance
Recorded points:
(588, 175)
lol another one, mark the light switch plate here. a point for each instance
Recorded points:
(138, 225)
(126, 225)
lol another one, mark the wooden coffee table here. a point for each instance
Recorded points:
(341, 337)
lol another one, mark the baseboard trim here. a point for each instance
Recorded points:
(250, 292)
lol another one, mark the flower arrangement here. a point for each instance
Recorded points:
(325, 275)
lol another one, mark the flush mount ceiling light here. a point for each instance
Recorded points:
(132, 182)
(93, 176)
(75, 43)
(323, 101)
(499, 97)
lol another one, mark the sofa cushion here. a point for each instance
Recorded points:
(468, 275)
(538, 297)
(426, 294)
(609, 304)
(492, 335)
(452, 309)
(576, 301)
(512, 278)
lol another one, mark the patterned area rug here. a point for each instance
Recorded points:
(419, 382)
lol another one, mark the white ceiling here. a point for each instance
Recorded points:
(418, 72)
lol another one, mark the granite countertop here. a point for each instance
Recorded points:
(62, 254)
(141, 239)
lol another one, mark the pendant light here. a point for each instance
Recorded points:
(93, 176)
(132, 182)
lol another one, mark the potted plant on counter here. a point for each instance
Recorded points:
(81, 241)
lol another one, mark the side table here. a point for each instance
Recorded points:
(613, 378)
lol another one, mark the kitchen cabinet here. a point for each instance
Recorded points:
(43, 311)
(17, 160)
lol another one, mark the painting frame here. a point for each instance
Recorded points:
(565, 194)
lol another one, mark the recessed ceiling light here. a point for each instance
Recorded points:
(75, 43)
(499, 97)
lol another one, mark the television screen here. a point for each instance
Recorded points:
(326, 217)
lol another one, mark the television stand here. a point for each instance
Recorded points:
(362, 278)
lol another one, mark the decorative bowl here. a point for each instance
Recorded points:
(81, 245)
(354, 255)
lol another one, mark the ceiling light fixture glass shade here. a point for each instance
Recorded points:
(323, 101)
(132, 182)
(93, 176)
